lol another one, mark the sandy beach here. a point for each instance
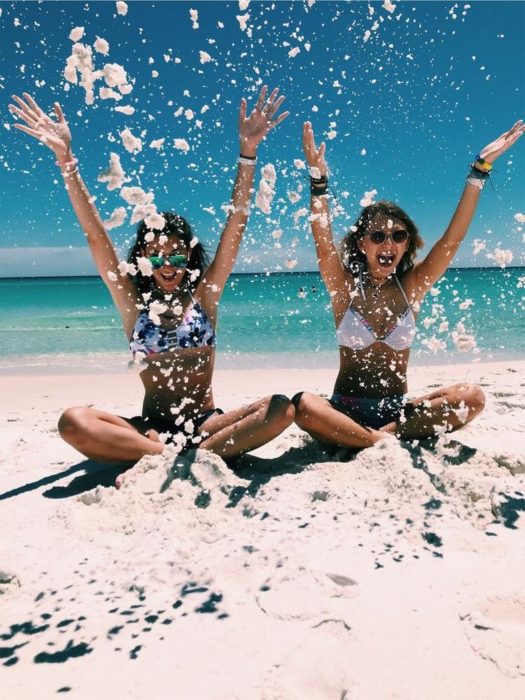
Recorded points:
(395, 573)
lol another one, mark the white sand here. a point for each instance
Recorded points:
(396, 574)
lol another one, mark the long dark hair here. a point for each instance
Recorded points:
(354, 259)
(176, 226)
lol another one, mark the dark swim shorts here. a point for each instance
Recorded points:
(372, 412)
(163, 425)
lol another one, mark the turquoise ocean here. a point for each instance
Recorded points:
(277, 320)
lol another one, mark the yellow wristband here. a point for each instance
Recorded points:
(485, 165)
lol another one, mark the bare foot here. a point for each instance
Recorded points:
(383, 434)
(120, 478)
(152, 435)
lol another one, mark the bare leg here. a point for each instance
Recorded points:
(450, 407)
(104, 437)
(319, 419)
(246, 428)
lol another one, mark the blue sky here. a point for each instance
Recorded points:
(409, 96)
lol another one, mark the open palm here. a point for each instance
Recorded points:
(253, 129)
(503, 142)
(54, 134)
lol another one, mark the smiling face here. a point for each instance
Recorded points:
(167, 277)
(383, 258)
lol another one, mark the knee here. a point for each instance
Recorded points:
(303, 402)
(475, 398)
(471, 395)
(73, 423)
(280, 409)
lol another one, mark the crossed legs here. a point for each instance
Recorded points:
(107, 438)
(450, 408)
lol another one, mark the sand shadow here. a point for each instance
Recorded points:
(257, 470)
(260, 471)
(457, 454)
(97, 474)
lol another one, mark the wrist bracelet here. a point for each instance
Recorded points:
(67, 173)
(61, 163)
(480, 184)
(247, 160)
(318, 186)
(477, 178)
(476, 172)
(486, 166)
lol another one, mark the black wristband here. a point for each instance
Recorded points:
(318, 186)
(478, 174)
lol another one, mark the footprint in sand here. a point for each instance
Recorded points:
(306, 595)
(300, 674)
(496, 630)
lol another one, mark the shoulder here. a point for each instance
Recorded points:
(410, 284)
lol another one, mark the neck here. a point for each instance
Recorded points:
(378, 281)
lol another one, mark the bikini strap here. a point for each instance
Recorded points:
(402, 292)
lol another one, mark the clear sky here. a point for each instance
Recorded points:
(404, 98)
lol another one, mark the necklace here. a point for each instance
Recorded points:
(376, 288)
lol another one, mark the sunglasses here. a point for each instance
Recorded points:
(380, 237)
(157, 261)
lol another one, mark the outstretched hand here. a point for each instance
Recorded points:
(503, 142)
(54, 134)
(314, 155)
(253, 129)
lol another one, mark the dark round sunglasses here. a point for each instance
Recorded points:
(157, 261)
(380, 237)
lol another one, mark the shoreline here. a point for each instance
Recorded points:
(265, 273)
(117, 363)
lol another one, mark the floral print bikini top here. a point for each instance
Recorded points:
(194, 331)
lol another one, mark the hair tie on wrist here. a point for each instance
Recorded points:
(318, 186)
(247, 160)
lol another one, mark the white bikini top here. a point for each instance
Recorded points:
(356, 333)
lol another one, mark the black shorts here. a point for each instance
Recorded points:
(163, 425)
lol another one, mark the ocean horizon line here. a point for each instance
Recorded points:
(264, 273)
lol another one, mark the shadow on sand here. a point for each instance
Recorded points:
(96, 474)
(257, 471)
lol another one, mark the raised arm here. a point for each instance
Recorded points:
(424, 275)
(328, 258)
(56, 135)
(252, 130)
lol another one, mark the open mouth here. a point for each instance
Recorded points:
(386, 260)
(168, 276)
